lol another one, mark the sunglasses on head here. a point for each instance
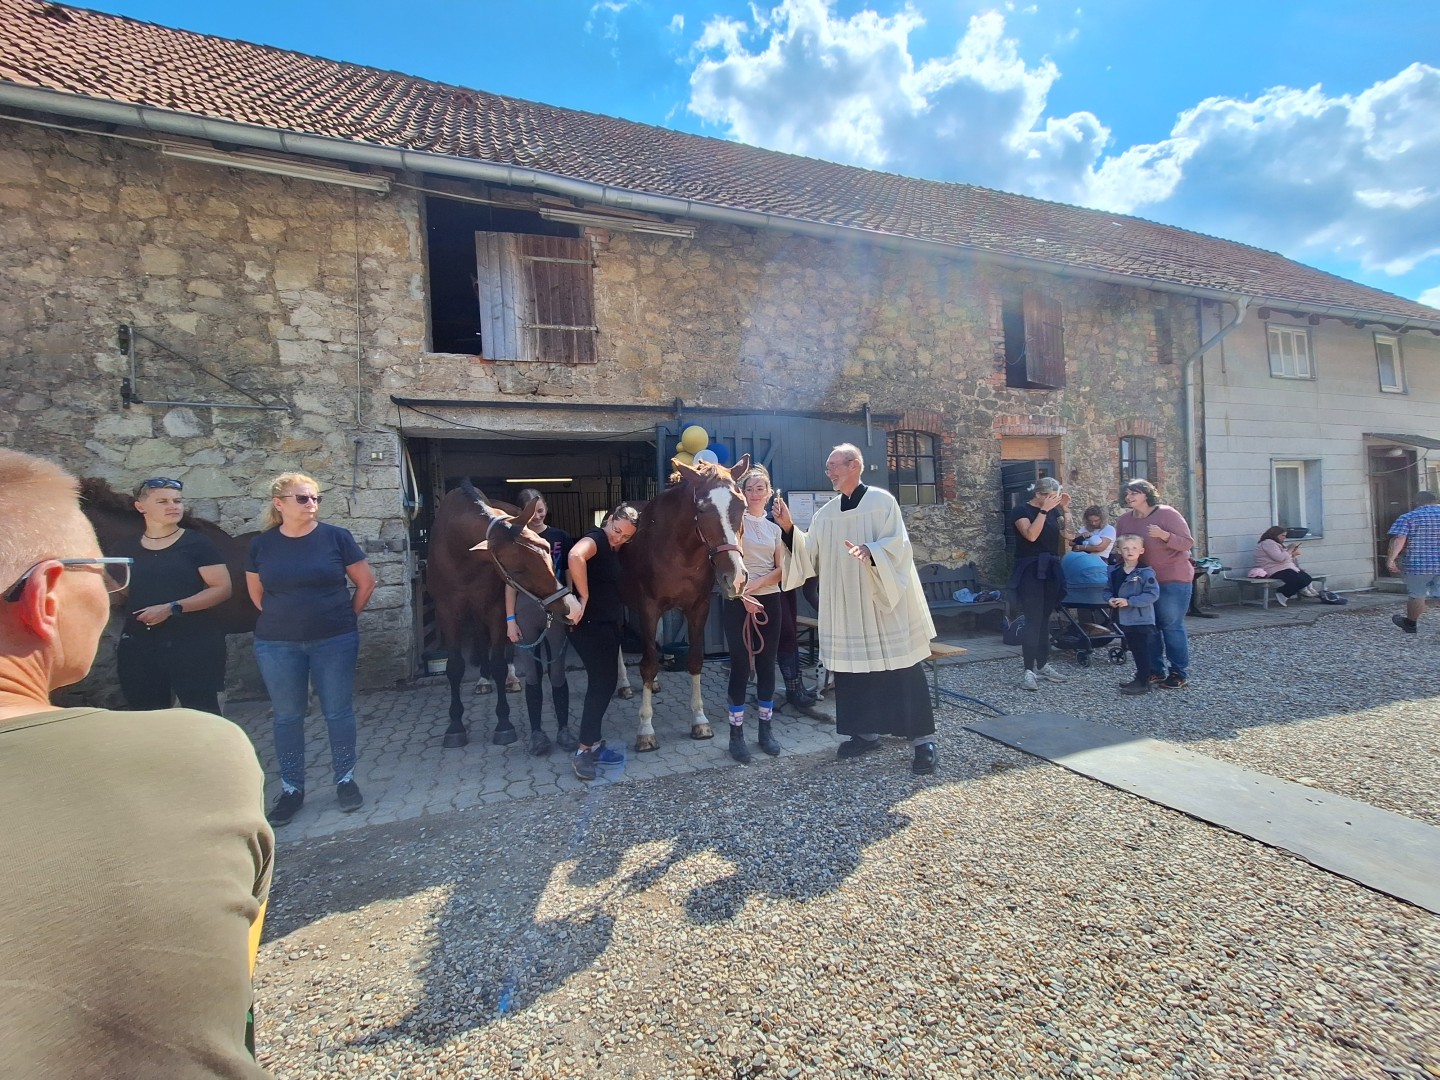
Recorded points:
(303, 498)
(162, 482)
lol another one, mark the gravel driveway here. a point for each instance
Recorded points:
(806, 917)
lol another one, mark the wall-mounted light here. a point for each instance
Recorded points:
(618, 224)
(539, 479)
(276, 167)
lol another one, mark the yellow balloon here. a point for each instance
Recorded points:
(679, 448)
(694, 439)
(684, 458)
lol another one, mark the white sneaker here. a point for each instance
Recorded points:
(1029, 682)
(1281, 599)
(1049, 672)
(1310, 591)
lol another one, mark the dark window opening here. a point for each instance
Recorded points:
(914, 468)
(1137, 459)
(552, 275)
(1034, 342)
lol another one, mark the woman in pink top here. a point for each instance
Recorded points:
(1167, 551)
(1278, 561)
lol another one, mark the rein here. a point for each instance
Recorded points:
(545, 603)
(711, 552)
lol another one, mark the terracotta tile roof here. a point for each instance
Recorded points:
(80, 52)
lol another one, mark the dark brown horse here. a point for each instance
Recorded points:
(688, 538)
(475, 547)
(116, 520)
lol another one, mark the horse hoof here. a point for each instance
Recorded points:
(625, 693)
(644, 744)
(504, 736)
(512, 685)
(701, 731)
(456, 739)
(485, 686)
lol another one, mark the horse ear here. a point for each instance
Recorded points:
(686, 472)
(740, 468)
(522, 519)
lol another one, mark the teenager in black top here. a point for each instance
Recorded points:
(170, 646)
(595, 580)
(1038, 581)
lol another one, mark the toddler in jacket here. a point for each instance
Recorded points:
(1131, 593)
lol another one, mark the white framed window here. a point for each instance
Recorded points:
(1387, 360)
(1296, 495)
(1290, 352)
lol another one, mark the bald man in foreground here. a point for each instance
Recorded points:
(135, 850)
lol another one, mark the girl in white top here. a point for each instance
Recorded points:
(762, 547)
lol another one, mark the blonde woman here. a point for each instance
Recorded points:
(170, 647)
(299, 574)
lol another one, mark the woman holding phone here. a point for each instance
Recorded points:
(1280, 561)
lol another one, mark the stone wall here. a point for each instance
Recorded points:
(313, 297)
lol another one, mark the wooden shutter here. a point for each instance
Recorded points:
(536, 298)
(1044, 341)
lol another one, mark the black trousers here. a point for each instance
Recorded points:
(733, 616)
(597, 645)
(1141, 641)
(1295, 581)
(1038, 600)
(156, 667)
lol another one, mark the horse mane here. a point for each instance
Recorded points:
(99, 496)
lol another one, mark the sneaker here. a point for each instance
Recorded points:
(1171, 682)
(1410, 626)
(1028, 681)
(1311, 592)
(1049, 672)
(584, 762)
(1281, 599)
(604, 755)
(1156, 680)
(285, 808)
(1133, 689)
(348, 792)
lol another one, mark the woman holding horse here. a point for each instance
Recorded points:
(171, 646)
(298, 574)
(753, 619)
(540, 648)
(595, 580)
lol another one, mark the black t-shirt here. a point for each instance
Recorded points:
(559, 541)
(170, 574)
(602, 574)
(307, 595)
(1047, 543)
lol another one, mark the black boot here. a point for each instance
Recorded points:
(560, 699)
(539, 742)
(738, 750)
(767, 740)
(796, 692)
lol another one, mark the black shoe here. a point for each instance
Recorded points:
(1134, 688)
(767, 739)
(924, 763)
(854, 747)
(584, 762)
(798, 694)
(565, 738)
(285, 807)
(738, 750)
(1410, 626)
(348, 792)
(539, 743)
(1155, 680)
(1171, 682)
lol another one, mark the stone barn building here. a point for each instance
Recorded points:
(222, 261)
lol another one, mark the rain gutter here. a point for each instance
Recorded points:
(169, 123)
(1187, 382)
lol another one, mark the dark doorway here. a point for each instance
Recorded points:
(1394, 482)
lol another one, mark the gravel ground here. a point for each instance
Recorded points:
(809, 918)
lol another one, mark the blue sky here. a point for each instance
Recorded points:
(1310, 128)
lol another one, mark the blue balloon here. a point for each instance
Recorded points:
(721, 451)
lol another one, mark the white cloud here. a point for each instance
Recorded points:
(603, 18)
(1354, 177)
(677, 23)
(1430, 297)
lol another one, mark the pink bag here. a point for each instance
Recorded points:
(1255, 571)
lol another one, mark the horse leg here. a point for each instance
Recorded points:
(455, 734)
(483, 685)
(504, 730)
(625, 691)
(695, 618)
(649, 668)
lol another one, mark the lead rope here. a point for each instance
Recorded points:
(752, 633)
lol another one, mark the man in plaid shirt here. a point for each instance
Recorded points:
(1417, 534)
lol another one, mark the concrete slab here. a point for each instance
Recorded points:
(1387, 852)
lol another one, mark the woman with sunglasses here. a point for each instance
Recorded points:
(171, 646)
(299, 574)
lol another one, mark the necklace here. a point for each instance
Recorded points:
(171, 533)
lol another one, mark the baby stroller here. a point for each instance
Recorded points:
(1084, 622)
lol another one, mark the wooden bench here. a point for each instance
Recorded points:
(940, 583)
(1264, 587)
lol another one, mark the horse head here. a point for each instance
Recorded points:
(523, 559)
(719, 517)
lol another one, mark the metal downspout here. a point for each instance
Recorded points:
(1187, 376)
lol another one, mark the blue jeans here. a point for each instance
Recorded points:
(1173, 646)
(288, 668)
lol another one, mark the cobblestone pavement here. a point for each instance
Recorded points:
(405, 772)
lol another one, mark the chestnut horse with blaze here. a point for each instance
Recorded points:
(475, 548)
(688, 539)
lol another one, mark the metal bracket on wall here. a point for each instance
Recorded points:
(129, 395)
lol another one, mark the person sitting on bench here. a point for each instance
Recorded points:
(1279, 561)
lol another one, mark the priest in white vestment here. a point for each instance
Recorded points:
(875, 626)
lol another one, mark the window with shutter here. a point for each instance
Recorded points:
(1034, 342)
(536, 298)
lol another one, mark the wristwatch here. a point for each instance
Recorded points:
(176, 609)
